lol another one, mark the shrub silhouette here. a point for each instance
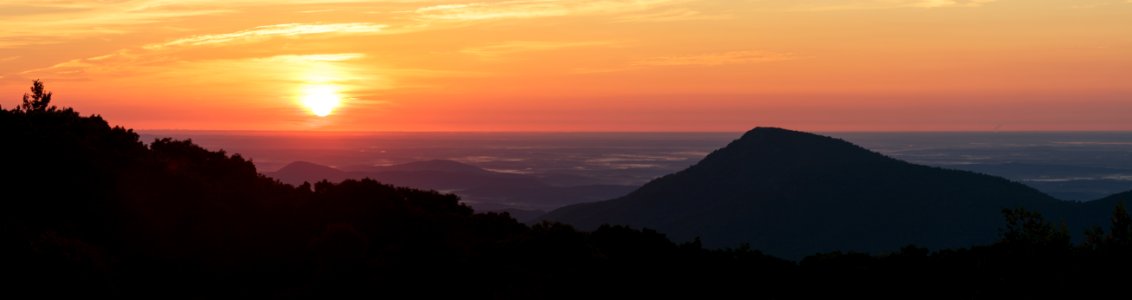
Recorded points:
(38, 100)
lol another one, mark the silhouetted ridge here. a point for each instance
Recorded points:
(792, 193)
(1112, 199)
(300, 171)
(526, 195)
(303, 166)
(766, 149)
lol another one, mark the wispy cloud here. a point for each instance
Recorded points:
(948, 3)
(55, 22)
(102, 13)
(485, 11)
(24, 9)
(130, 60)
(671, 15)
(26, 23)
(836, 5)
(116, 63)
(492, 51)
(317, 57)
(693, 60)
(536, 8)
(270, 31)
(716, 59)
(133, 59)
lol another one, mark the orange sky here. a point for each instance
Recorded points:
(578, 65)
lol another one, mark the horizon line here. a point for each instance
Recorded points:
(608, 132)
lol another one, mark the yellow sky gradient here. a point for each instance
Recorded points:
(579, 65)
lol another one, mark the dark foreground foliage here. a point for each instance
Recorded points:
(91, 211)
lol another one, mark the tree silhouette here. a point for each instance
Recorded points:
(38, 100)
(1119, 237)
(1030, 230)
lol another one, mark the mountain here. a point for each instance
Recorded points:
(791, 194)
(525, 196)
(431, 174)
(1100, 209)
(1113, 199)
(300, 171)
(1065, 182)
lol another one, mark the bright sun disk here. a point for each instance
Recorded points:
(321, 99)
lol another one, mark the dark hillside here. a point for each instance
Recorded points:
(793, 194)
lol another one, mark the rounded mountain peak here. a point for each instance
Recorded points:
(771, 147)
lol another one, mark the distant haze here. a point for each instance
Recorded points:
(1070, 166)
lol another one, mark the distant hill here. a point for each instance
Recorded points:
(300, 171)
(526, 196)
(1113, 199)
(1065, 182)
(791, 194)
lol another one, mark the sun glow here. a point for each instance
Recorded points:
(321, 99)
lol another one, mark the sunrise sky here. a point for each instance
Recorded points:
(578, 65)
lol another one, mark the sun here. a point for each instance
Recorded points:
(321, 99)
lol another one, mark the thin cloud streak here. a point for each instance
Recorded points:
(512, 47)
(60, 22)
(717, 59)
(318, 57)
(882, 4)
(950, 3)
(696, 60)
(155, 54)
(672, 15)
(277, 30)
(521, 9)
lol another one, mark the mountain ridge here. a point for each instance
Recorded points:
(793, 193)
(527, 196)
